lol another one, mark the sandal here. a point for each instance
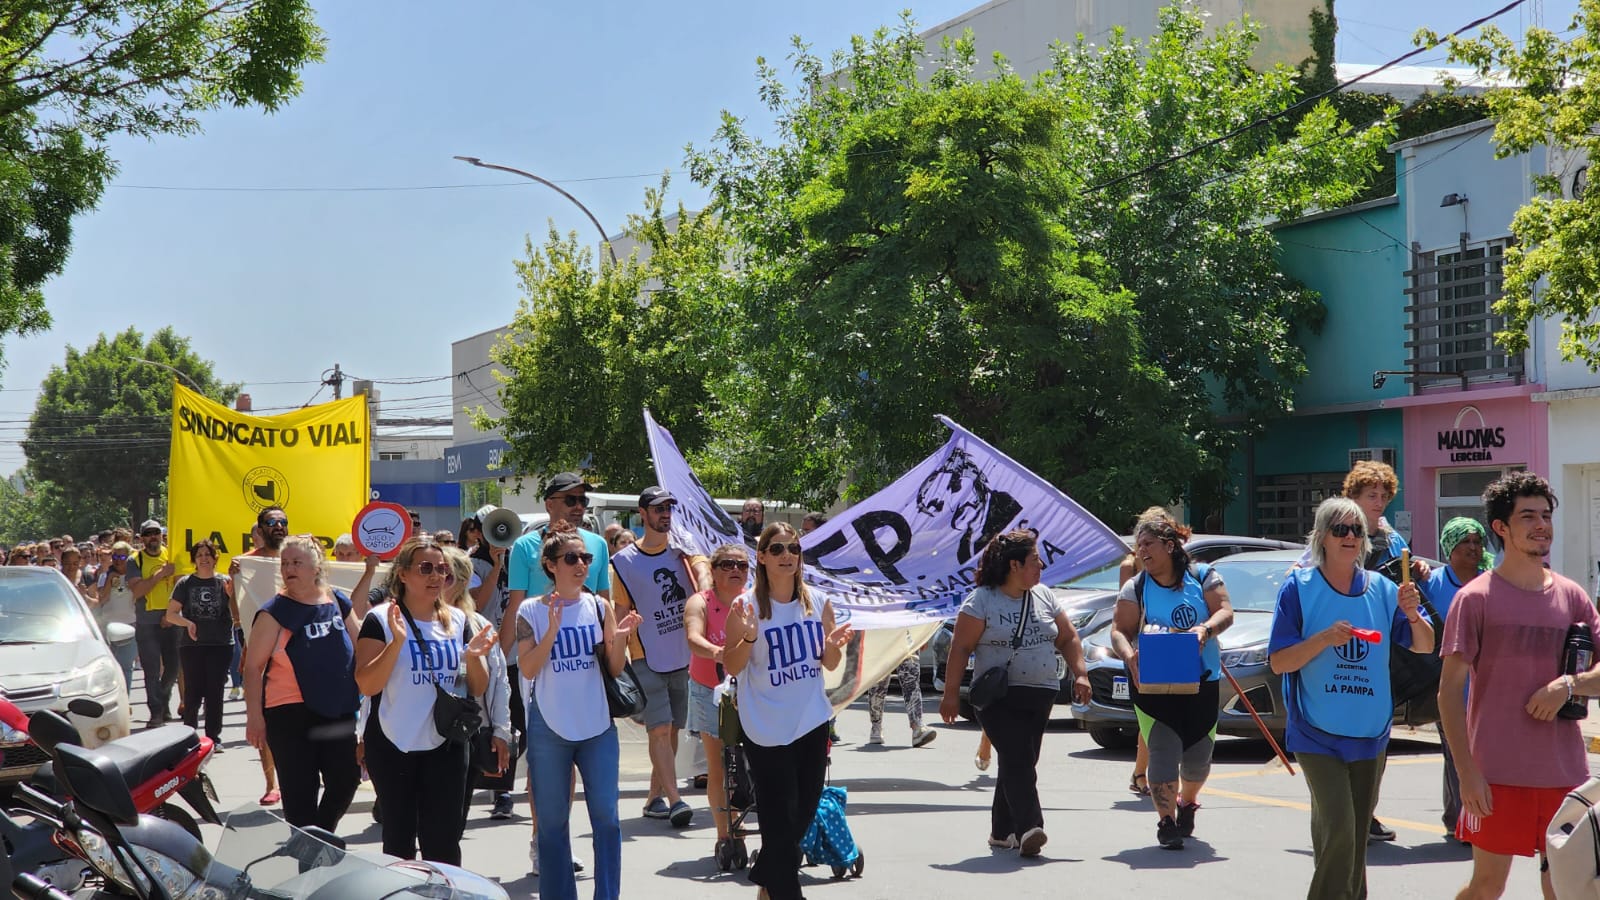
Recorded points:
(1139, 784)
(270, 798)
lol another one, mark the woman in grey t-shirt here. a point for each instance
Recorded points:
(1008, 592)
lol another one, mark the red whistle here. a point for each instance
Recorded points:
(1367, 634)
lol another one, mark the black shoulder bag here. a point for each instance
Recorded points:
(455, 718)
(1414, 677)
(624, 696)
(990, 685)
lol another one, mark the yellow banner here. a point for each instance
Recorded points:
(228, 466)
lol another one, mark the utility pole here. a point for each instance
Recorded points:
(336, 379)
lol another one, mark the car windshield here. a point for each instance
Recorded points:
(1253, 584)
(1105, 578)
(39, 610)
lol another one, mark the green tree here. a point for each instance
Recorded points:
(75, 72)
(31, 509)
(587, 349)
(916, 240)
(1555, 104)
(102, 426)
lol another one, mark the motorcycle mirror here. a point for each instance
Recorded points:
(89, 709)
(324, 835)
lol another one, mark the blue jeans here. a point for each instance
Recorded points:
(550, 761)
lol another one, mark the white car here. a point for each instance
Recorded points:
(51, 653)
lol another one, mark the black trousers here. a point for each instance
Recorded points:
(205, 675)
(788, 781)
(1015, 725)
(158, 657)
(422, 794)
(312, 752)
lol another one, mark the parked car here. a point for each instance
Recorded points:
(52, 652)
(1091, 600)
(1253, 580)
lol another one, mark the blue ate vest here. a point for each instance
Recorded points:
(1181, 608)
(320, 649)
(1345, 692)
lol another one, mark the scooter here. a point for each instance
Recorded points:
(260, 856)
(159, 765)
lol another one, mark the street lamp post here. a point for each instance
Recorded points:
(162, 365)
(605, 241)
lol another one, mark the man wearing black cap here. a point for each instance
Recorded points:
(566, 497)
(655, 576)
(158, 644)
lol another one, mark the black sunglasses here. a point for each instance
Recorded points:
(729, 565)
(1345, 529)
(573, 557)
(777, 549)
(576, 500)
(277, 523)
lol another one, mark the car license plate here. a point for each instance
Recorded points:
(1119, 688)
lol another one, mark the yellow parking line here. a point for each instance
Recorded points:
(1434, 830)
(1275, 768)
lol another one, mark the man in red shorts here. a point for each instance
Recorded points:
(1507, 630)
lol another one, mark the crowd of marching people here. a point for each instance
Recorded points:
(473, 655)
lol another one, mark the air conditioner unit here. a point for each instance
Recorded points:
(1384, 455)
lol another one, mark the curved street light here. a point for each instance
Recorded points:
(605, 240)
(161, 365)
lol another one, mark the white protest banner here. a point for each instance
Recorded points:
(904, 557)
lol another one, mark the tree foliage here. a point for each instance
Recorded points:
(1556, 104)
(914, 239)
(75, 72)
(587, 349)
(102, 426)
(31, 509)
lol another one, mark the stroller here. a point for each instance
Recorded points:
(827, 841)
(731, 853)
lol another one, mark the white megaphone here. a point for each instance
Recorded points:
(501, 528)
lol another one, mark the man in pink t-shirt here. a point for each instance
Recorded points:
(1507, 629)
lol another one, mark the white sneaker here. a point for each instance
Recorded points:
(235, 693)
(876, 736)
(1033, 841)
(1010, 843)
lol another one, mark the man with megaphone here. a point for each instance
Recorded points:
(489, 533)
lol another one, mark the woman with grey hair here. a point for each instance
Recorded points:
(1334, 628)
(1173, 594)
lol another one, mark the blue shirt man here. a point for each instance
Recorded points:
(566, 497)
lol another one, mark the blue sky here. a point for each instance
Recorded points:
(277, 285)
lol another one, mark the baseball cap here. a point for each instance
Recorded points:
(566, 481)
(484, 511)
(149, 526)
(654, 494)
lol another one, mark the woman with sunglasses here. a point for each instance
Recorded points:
(114, 603)
(784, 638)
(563, 637)
(705, 621)
(409, 645)
(300, 695)
(1173, 594)
(1332, 632)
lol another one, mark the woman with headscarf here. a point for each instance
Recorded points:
(1463, 543)
(1173, 594)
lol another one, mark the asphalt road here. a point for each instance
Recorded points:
(921, 816)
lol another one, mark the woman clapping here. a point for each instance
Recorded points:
(407, 646)
(779, 638)
(563, 637)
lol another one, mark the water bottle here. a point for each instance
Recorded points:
(1578, 659)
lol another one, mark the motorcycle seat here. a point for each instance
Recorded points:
(144, 756)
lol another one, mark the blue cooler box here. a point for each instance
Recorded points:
(1169, 663)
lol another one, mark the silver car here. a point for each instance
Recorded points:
(1253, 580)
(51, 653)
